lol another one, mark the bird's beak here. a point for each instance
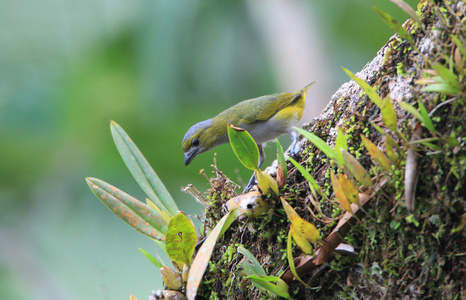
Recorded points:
(189, 156)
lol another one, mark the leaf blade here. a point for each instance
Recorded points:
(244, 147)
(142, 171)
(135, 213)
(180, 239)
(205, 252)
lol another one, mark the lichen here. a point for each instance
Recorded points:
(400, 254)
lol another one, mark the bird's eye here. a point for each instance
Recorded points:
(195, 142)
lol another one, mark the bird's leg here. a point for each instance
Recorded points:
(294, 139)
(252, 181)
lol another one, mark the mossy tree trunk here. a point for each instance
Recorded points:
(400, 253)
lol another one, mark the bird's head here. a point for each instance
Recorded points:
(200, 138)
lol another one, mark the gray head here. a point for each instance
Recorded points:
(197, 140)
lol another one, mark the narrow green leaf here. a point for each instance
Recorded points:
(281, 158)
(280, 288)
(312, 183)
(355, 168)
(319, 143)
(426, 117)
(289, 253)
(459, 44)
(409, 108)
(205, 252)
(180, 239)
(388, 139)
(440, 87)
(340, 143)
(142, 171)
(394, 25)
(370, 91)
(156, 262)
(422, 117)
(244, 147)
(389, 148)
(251, 266)
(447, 75)
(409, 10)
(136, 213)
(389, 114)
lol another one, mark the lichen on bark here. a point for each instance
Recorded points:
(401, 254)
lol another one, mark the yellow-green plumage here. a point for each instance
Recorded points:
(265, 118)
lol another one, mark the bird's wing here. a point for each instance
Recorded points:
(262, 108)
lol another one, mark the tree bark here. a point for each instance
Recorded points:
(404, 249)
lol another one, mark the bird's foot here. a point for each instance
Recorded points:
(251, 183)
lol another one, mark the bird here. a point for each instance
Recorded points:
(265, 118)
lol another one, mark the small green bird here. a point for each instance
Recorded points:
(265, 118)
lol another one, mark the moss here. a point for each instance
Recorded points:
(401, 254)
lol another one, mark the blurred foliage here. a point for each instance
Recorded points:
(155, 67)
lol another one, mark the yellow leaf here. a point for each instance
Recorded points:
(171, 279)
(300, 240)
(376, 154)
(348, 189)
(355, 168)
(266, 182)
(303, 227)
(337, 189)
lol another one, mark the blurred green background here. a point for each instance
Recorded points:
(156, 67)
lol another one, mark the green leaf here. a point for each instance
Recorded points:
(156, 262)
(251, 265)
(340, 143)
(289, 253)
(205, 252)
(440, 87)
(409, 108)
(180, 239)
(355, 168)
(389, 114)
(447, 75)
(312, 183)
(409, 10)
(370, 91)
(244, 147)
(142, 171)
(459, 44)
(426, 117)
(134, 212)
(319, 143)
(423, 117)
(394, 25)
(281, 158)
(280, 288)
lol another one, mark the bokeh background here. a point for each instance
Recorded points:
(156, 67)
